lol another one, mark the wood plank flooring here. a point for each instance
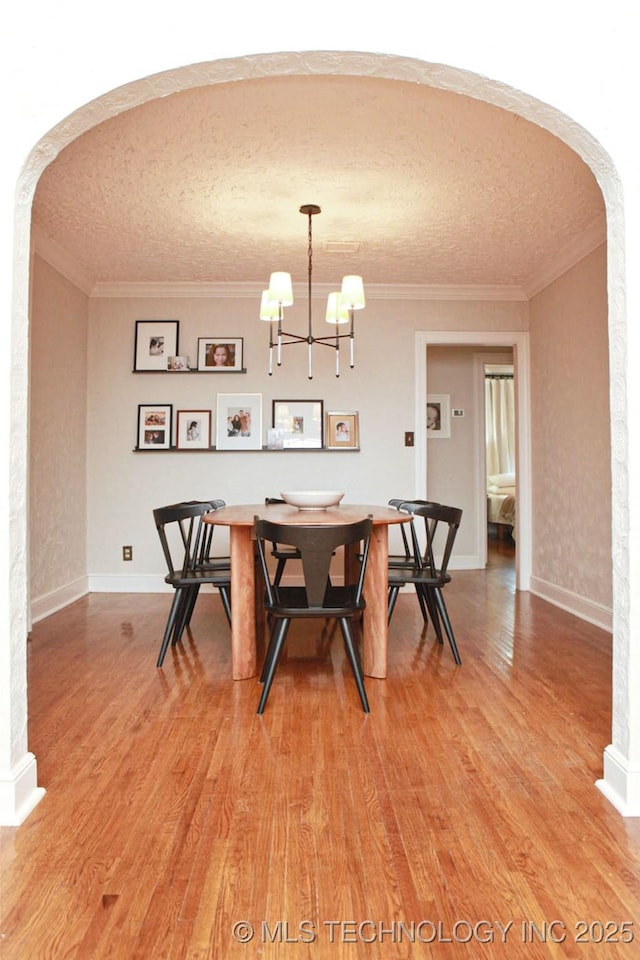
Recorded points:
(459, 819)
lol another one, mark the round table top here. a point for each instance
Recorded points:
(243, 515)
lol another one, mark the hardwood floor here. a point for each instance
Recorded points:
(459, 819)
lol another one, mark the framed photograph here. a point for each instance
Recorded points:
(438, 416)
(179, 364)
(220, 354)
(342, 431)
(155, 342)
(239, 421)
(154, 426)
(193, 429)
(301, 423)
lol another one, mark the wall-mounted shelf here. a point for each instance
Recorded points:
(182, 373)
(262, 450)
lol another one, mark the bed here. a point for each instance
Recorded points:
(501, 499)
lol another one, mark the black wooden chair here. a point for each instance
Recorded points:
(409, 542)
(279, 551)
(186, 546)
(318, 597)
(207, 559)
(427, 577)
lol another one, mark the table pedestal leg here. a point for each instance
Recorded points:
(375, 627)
(243, 621)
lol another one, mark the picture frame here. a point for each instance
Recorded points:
(301, 423)
(179, 365)
(342, 430)
(155, 422)
(193, 429)
(239, 421)
(213, 349)
(155, 341)
(438, 416)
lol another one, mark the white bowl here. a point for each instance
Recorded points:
(313, 499)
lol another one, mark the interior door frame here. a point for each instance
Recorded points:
(519, 342)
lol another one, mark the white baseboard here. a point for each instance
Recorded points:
(49, 603)
(19, 792)
(581, 607)
(620, 783)
(137, 583)
(44, 606)
(465, 563)
(134, 583)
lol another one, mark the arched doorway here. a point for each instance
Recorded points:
(217, 72)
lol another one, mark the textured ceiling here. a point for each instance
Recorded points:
(205, 186)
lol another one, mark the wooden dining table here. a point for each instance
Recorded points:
(246, 590)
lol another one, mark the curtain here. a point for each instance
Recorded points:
(500, 424)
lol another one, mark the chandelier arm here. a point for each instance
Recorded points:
(330, 340)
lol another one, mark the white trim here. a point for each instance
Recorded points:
(375, 291)
(471, 562)
(620, 783)
(519, 341)
(592, 237)
(131, 583)
(582, 607)
(57, 257)
(19, 791)
(134, 583)
(49, 603)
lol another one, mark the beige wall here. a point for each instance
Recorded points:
(58, 431)
(571, 518)
(570, 432)
(381, 388)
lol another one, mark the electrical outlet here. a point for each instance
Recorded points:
(127, 553)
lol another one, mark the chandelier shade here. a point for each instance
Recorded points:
(337, 312)
(280, 288)
(352, 293)
(268, 308)
(341, 307)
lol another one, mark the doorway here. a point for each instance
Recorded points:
(486, 341)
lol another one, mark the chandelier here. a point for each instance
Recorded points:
(341, 306)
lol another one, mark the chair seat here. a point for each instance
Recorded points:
(414, 574)
(293, 602)
(201, 575)
(399, 560)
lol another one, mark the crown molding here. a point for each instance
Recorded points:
(580, 247)
(246, 290)
(58, 258)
